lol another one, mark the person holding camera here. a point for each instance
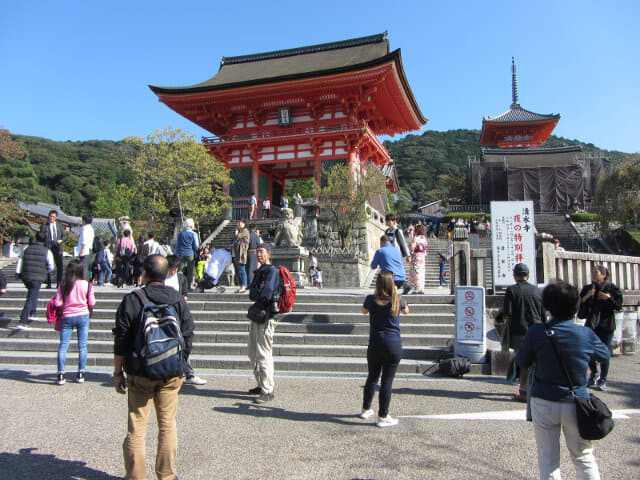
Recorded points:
(264, 291)
(599, 301)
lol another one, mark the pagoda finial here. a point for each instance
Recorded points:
(514, 84)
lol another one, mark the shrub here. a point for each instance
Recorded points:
(585, 217)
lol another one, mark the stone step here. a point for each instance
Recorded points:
(355, 365)
(196, 306)
(213, 336)
(310, 328)
(95, 346)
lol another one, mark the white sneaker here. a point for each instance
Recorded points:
(366, 414)
(195, 380)
(22, 326)
(387, 421)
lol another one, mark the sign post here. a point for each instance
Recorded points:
(470, 340)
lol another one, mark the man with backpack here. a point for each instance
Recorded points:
(264, 291)
(158, 378)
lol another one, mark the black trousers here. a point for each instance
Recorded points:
(381, 358)
(30, 305)
(58, 258)
(604, 365)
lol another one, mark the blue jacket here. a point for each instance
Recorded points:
(576, 344)
(389, 259)
(187, 243)
(265, 286)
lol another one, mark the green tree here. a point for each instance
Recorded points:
(619, 193)
(176, 177)
(344, 198)
(15, 173)
(114, 200)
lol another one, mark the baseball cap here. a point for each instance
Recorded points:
(521, 269)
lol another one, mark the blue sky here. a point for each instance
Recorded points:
(79, 70)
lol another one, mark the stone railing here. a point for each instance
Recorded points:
(472, 266)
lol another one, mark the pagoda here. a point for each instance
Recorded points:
(516, 166)
(517, 127)
(285, 114)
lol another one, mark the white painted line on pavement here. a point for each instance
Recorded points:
(506, 415)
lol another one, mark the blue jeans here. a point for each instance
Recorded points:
(104, 267)
(81, 322)
(242, 274)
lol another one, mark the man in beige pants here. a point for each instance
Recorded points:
(264, 291)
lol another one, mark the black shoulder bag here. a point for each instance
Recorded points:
(594, 417)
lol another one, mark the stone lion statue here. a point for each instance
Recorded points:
(288, 233)
(124, 224)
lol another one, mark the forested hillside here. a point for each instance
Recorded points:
(72, 174)
(430, 164)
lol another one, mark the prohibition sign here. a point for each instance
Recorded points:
(469, 295)
(469, 327)
(469, 311)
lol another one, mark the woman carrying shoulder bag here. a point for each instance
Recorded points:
(76, 297)
(552, 401)
(385, 345)
(598, 302)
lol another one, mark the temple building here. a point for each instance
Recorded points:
(287, 114)
(515, 164)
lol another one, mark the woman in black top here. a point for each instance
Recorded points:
(598, 302)
(385, 345)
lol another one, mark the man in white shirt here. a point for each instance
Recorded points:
(266, 208)
(153, 247)
(85, 244)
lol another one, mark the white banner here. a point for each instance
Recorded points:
(513, 240)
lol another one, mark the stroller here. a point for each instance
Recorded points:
(219, 261)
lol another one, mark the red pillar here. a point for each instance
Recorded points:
(254, 178)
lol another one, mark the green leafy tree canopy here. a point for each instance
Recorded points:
(345, 194)
(176, 177)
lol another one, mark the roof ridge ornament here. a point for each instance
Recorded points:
(514, 85)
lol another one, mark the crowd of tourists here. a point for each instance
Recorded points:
(532, 317)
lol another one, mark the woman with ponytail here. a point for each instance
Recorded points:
(385, 346)
(76, 297)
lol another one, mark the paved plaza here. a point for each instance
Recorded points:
(449, 429)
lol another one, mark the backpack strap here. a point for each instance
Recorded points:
(142, 296)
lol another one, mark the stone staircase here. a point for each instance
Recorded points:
(224, 239)
(326, 332)
(557, 225)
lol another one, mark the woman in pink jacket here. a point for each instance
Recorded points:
(76, 297)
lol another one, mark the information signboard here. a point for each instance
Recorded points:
(513, 240)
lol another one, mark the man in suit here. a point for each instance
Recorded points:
(54, 238)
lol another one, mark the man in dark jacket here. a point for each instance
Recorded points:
(143, 390)
(522, 307)
(54, 238)
(36, 261)
(264, 291)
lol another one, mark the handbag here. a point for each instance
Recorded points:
(594, 417)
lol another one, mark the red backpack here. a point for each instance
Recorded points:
(287, 291)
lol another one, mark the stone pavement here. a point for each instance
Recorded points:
(310, 431)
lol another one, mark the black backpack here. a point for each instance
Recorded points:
(451, 365)
(158, 346)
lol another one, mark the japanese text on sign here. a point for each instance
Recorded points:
(513, 240)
